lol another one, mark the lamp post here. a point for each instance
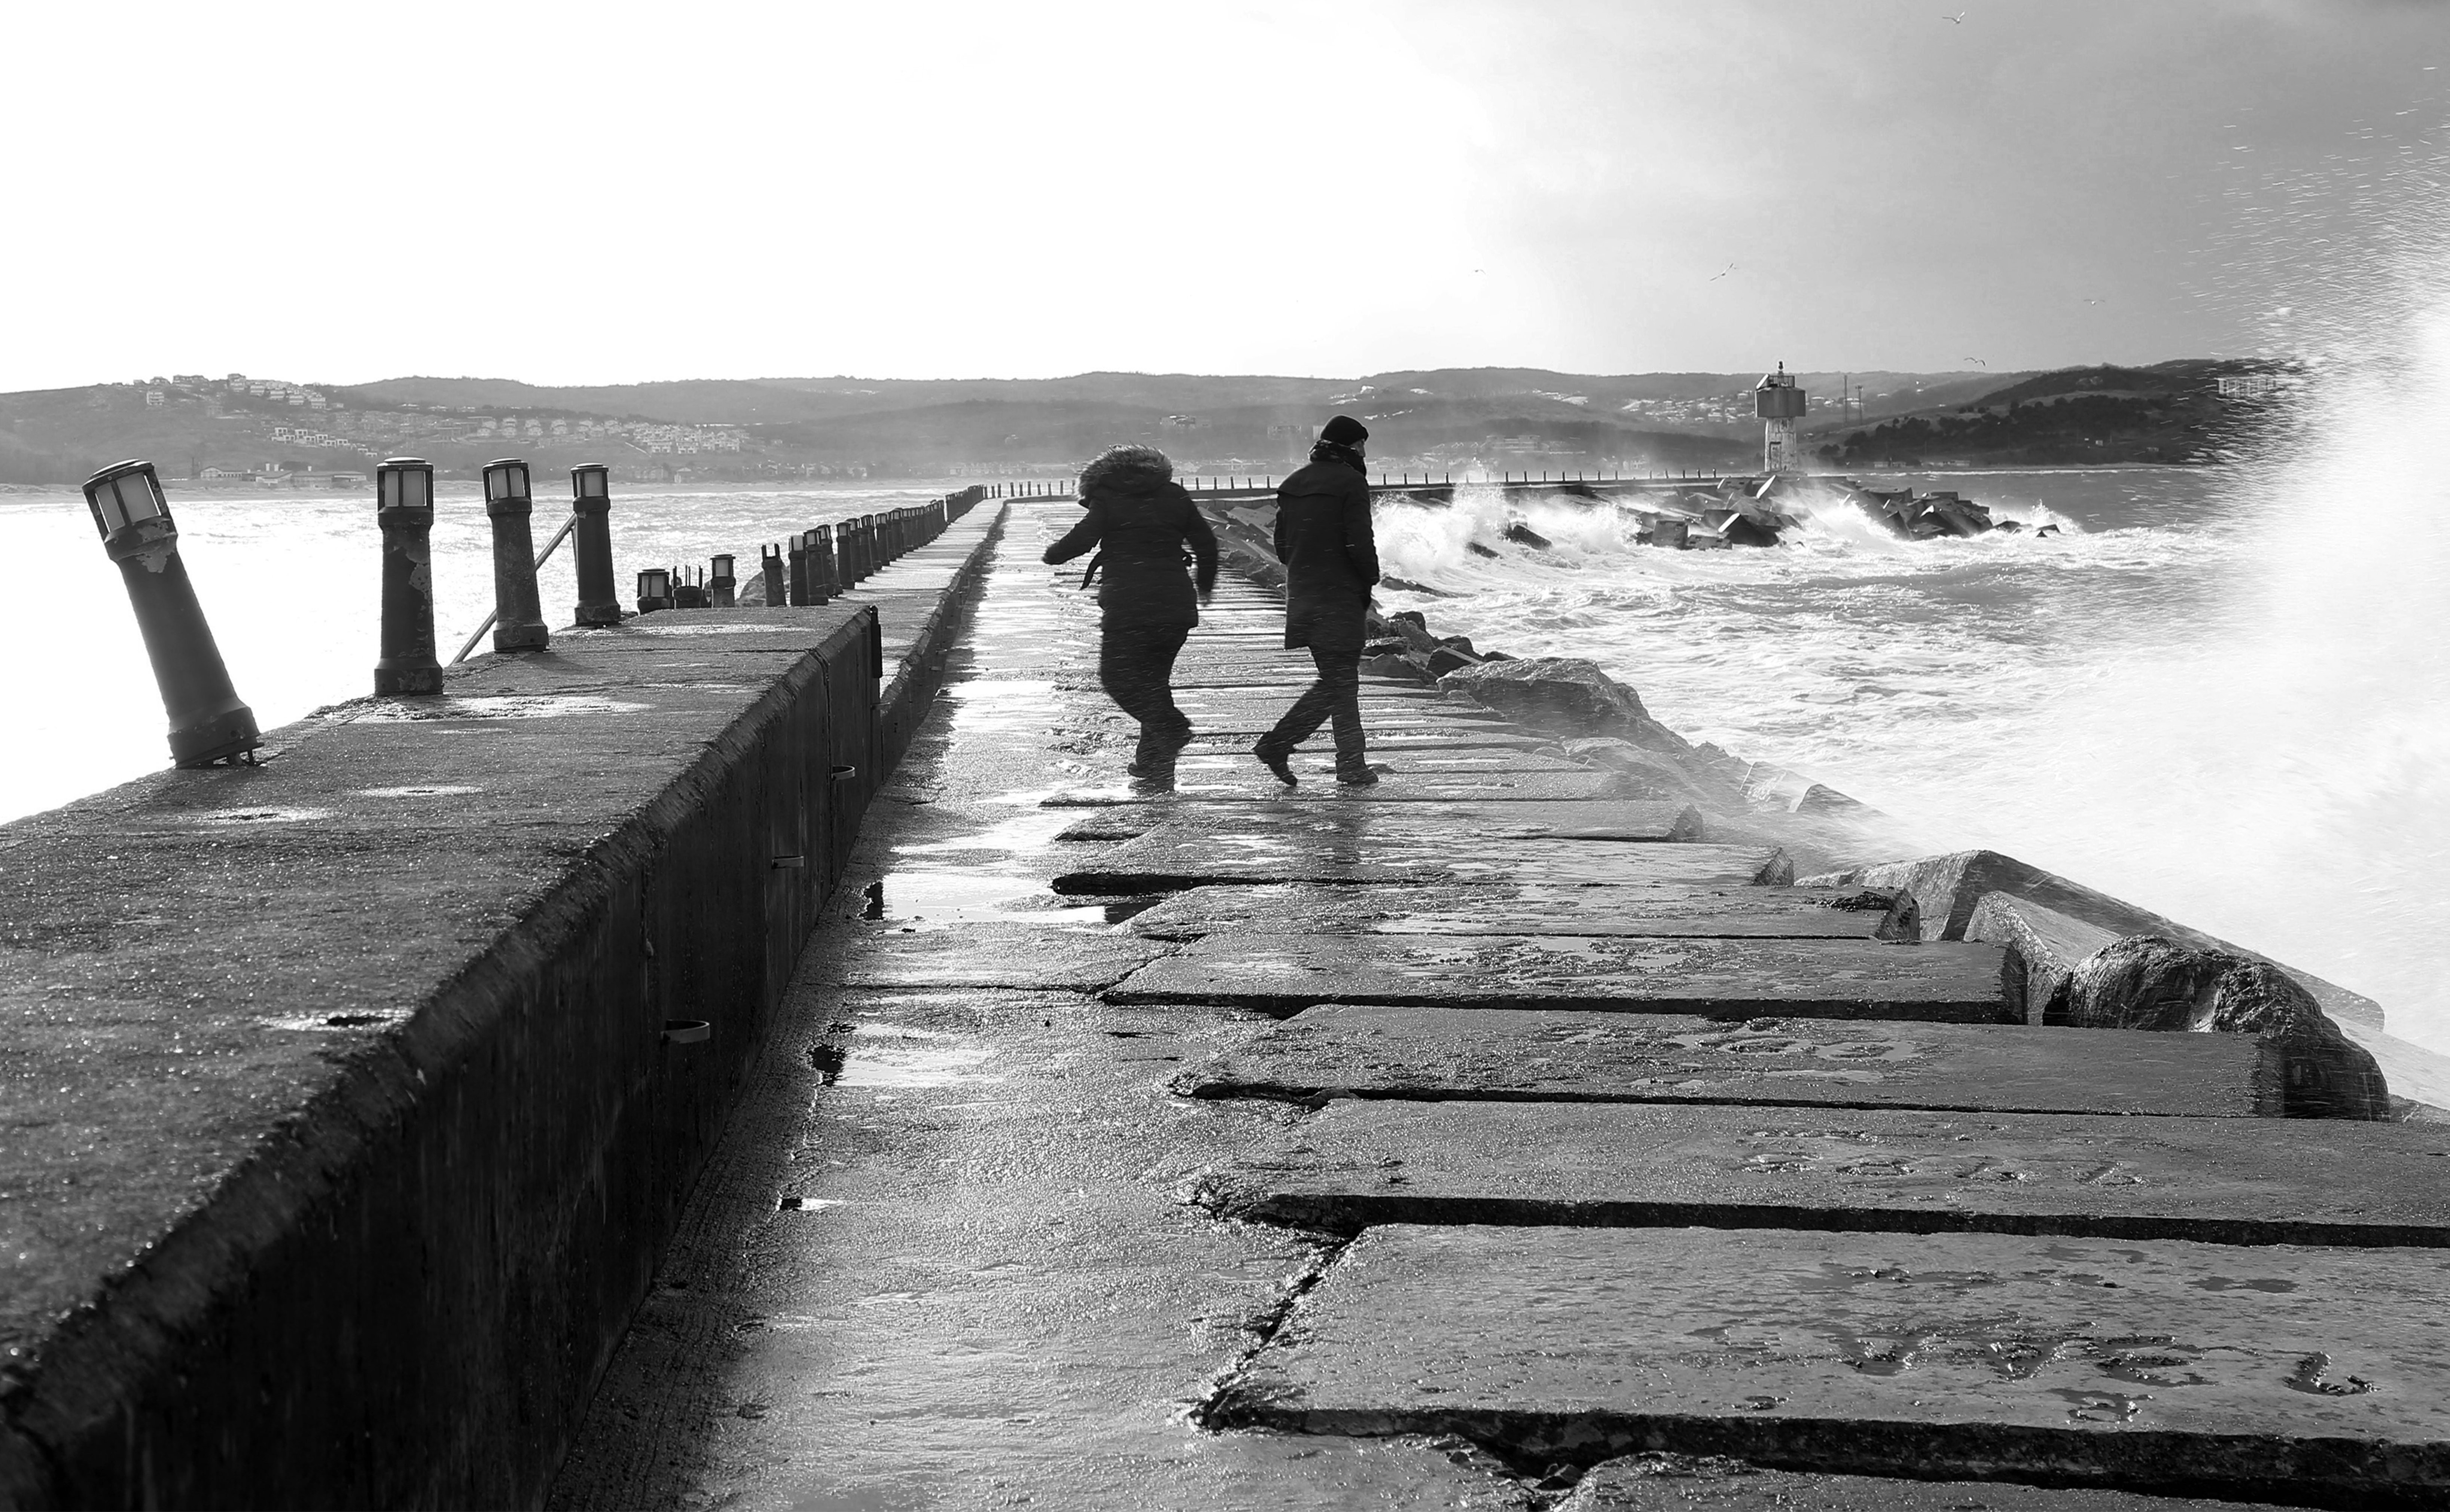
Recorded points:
(404, 510)
(208, 723)
(720, 583)
(518, 619)
(654, 589)
(591, 501)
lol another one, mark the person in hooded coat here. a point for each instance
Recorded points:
(1331, 556)
(1139, 521)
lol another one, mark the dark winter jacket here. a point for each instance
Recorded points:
(1140, 520)
(1331, 556)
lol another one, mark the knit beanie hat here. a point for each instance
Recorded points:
(1345, 431)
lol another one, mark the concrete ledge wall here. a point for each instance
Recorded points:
(342, 1130)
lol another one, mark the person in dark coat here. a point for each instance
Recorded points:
(1331, 556)
(1139, 521)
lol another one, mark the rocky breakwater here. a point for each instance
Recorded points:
(1761, 511)
(2084, 959)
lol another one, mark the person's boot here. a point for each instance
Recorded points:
(1155, 754)
(1278, 760)
(1355, 773)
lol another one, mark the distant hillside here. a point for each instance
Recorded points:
(1445, 420)
(2170, 411)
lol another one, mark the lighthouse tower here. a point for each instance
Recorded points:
(1779, 404)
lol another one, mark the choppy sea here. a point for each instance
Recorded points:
(2221, 693)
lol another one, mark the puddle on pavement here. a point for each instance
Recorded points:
(987, 705)
(1034, 828)
(259, 816)
(495, 706)
(431, 790)
(891, 1055)
(933, 900)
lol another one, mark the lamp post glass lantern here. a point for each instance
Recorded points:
(506, 481)
(209, 722)
(654, 589)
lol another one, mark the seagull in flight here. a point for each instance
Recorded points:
(1956, 20)
(1977, 362)
(1720, 274)
(2094, 302)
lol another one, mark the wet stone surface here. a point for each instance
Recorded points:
(1379, 850)
(2166, 1364)
(1740, 978)
(1480, 1055)
(2245, 1181)
(1522, 908)
(1685, 1482)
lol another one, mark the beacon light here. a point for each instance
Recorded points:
(654, 589)
(721, 585)
(208, 723)
(404, 512)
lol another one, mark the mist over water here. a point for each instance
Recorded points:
(290, 582)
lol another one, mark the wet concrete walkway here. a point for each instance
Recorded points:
(1443, 1145)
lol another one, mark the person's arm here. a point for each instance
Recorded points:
(1360, 540)
(1203, 549)
(1082, 537)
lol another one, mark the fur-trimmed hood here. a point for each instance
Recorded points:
(1126, 470)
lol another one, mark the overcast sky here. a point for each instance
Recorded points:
(611, 192)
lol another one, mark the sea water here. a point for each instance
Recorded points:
(291, 583)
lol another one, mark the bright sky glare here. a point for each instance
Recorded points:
(616, 191)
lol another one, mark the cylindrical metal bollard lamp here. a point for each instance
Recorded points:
(824, 581)
(591, 500)
(404, 510)
(803, 569)
(720, 583)
(770, 566)
(208, 723)
(654, 589)
(518, 618)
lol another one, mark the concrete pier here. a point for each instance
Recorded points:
(1520, 1147)
(349, 1100)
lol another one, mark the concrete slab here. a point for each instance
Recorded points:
(1410, 736)
(1524, 1055)
(1334, 823)
(2228, 1180)
(1689, 1482)
(2169, 1364)
(1717, 979)
(1020, 956)
(1247, 781)
(1171, 858)
(1527, 908)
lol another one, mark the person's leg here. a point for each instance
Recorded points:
(1136, 668)
(1164, 728)
(1339, 674)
